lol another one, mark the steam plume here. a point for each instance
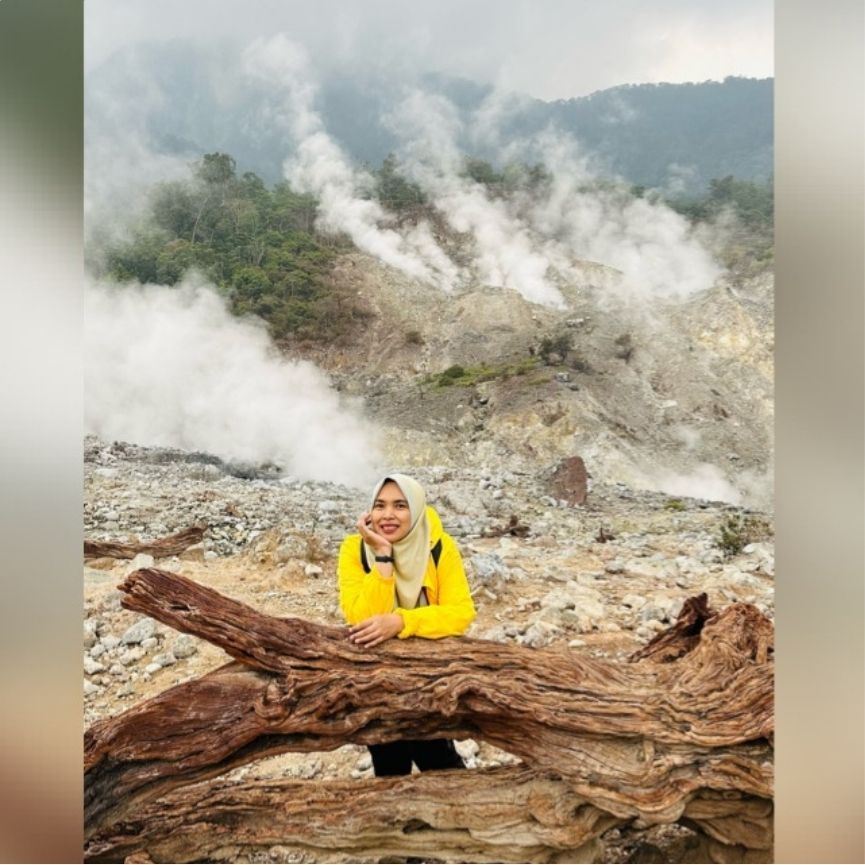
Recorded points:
(171, 367)
(319, 167)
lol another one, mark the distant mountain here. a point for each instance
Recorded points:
(187, 101)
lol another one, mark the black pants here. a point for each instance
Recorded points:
(395, 758)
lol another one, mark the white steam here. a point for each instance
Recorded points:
(506, 254)
(657, 252)
(706, 481)
(319, 167)
(172, 367)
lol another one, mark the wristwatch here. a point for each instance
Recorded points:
(385, 559)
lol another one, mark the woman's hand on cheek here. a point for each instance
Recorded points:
(376, 541)
(376, 629)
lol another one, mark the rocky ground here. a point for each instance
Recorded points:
(601, 578)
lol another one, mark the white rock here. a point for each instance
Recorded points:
(488, 567)
(91, 667)
(149, 643)
(184, 646)
(90, 689)
(467, 748)
(141, 630)
(313, 570)
(91, 632)
(166, 659)
(130, 656)
(142, 560)
(150, 669)
(538, 634)
(635, 602)
(110, 642)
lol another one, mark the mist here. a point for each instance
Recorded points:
(172, 367)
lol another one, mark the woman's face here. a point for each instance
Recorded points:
(391, 517)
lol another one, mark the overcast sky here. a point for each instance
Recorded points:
(551, 49)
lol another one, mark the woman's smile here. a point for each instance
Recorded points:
(391, 516)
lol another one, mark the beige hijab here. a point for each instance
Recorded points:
(411, 554)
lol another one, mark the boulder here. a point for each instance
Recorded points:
(570, 481)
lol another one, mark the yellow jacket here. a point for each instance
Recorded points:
(450, 609)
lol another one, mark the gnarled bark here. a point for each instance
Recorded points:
(497, 815)
(173, 545)
(636, 740)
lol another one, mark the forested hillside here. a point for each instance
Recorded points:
(260, 246)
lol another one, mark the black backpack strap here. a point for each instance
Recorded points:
(435, 552)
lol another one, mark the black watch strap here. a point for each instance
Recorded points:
(384, 559)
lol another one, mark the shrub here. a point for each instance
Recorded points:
(737, 531)
(624, 347)
(560, 345)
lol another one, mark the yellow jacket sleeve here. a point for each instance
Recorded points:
(451, 609)
(361, 595)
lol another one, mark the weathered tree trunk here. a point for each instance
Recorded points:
(637, 740)
(173, 545)
(495, 815)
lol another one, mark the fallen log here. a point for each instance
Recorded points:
(497, 815)
(634, 740)
(173, 545)
(508, 814)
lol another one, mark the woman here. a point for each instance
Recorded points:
(402, 576)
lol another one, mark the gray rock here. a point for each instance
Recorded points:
(97, 651)
(166, 659)
(117, 670)
(112, 602)
(130, 656)
(138, 632)
(110, 642)
(488, 567)
(90, 636)
(635, 602)
(614, 567)
(184, 647)
(142, 560)
(91, 666)
(538, 634)
(150, 669)
(313, 570)
(496, 634)
(149, 643)
(609, 627)
(90, 689)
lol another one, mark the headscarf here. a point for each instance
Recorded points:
(411, 553)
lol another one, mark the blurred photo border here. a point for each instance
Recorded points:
(820, 397)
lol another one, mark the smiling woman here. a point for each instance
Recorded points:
(402, 576)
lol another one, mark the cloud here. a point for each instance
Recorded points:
(172, 367)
